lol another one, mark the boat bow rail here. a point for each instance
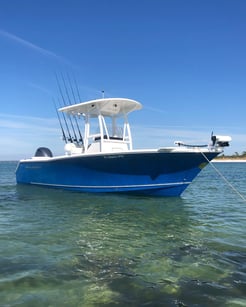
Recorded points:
(218, 142)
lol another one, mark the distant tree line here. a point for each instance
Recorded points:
(236, 155)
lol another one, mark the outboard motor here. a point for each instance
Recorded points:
(43, 152)
(220, 140)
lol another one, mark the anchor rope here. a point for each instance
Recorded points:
(224, 178)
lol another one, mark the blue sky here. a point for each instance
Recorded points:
(184, 60)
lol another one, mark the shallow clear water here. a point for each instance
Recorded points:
(68, 249)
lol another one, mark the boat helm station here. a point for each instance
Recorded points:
(106, 126)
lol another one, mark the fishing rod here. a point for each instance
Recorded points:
(71, 88)
(63, 132)
(70, 139)
(71, 123)
(77, 88)
(66, 90)
(70, 102)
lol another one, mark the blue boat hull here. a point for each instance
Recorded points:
(149, 173)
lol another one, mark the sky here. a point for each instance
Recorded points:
(184, 60)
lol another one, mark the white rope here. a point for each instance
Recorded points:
(224, 178)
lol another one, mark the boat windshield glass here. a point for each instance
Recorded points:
(112, 128)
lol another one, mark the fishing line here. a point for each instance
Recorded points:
(224, 178)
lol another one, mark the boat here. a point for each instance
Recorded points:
(102, 158)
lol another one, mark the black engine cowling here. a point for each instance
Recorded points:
(43, 152)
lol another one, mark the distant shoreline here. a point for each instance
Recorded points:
(229, 159)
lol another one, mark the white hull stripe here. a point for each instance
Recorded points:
(159, 185)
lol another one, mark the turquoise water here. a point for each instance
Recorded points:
(68, 249)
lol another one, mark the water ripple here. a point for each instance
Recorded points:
(68, 249)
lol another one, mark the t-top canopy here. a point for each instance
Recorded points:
(105, 107)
